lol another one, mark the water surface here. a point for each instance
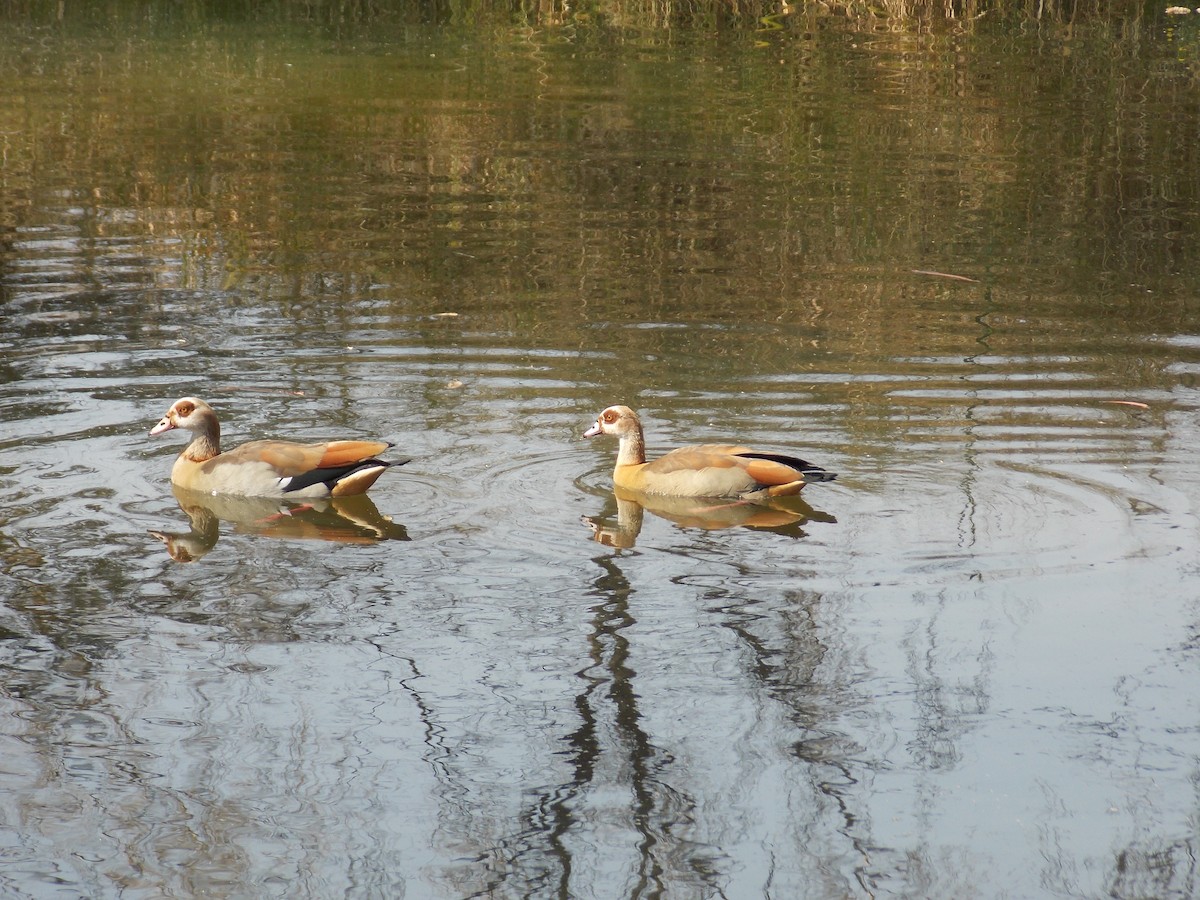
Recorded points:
(966, 668)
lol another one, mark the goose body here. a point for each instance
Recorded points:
(267, 468)
(704, 470)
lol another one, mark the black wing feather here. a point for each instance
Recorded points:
(811, 472)
(332, 475)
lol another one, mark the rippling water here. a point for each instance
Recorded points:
(966, 668)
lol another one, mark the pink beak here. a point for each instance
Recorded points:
(165, 424)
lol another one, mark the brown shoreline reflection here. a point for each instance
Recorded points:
(343, 520)
(786, 516)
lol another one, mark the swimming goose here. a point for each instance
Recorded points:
(705, 470)
(268, 468)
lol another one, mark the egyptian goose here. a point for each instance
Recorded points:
(268, 468)
(705, 470)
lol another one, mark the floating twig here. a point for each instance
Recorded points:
(945, 275)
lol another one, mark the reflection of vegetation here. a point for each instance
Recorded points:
(545, 169)
(431, 164)
(1184, 35)
(1148, 870)
(641, 14)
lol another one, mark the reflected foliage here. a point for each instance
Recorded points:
(642, 14)
(1012, 156)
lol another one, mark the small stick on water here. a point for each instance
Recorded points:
(945, 275)
(1136, 403)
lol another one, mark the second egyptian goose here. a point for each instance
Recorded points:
(705, 470)
(268, 468)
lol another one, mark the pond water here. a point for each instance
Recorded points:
(954, 262)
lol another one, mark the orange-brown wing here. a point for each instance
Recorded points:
(292, 459)
(285, 457)
(347, 453)
(727, 456)
(769, 471)
(701, 456)
(704, 471)
(716, 470)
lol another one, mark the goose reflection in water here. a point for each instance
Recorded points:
(343, 520)
(785, 516)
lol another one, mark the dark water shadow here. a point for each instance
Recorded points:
(342, 520)
(611, 735)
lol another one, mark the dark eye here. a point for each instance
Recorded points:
(185, 409)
